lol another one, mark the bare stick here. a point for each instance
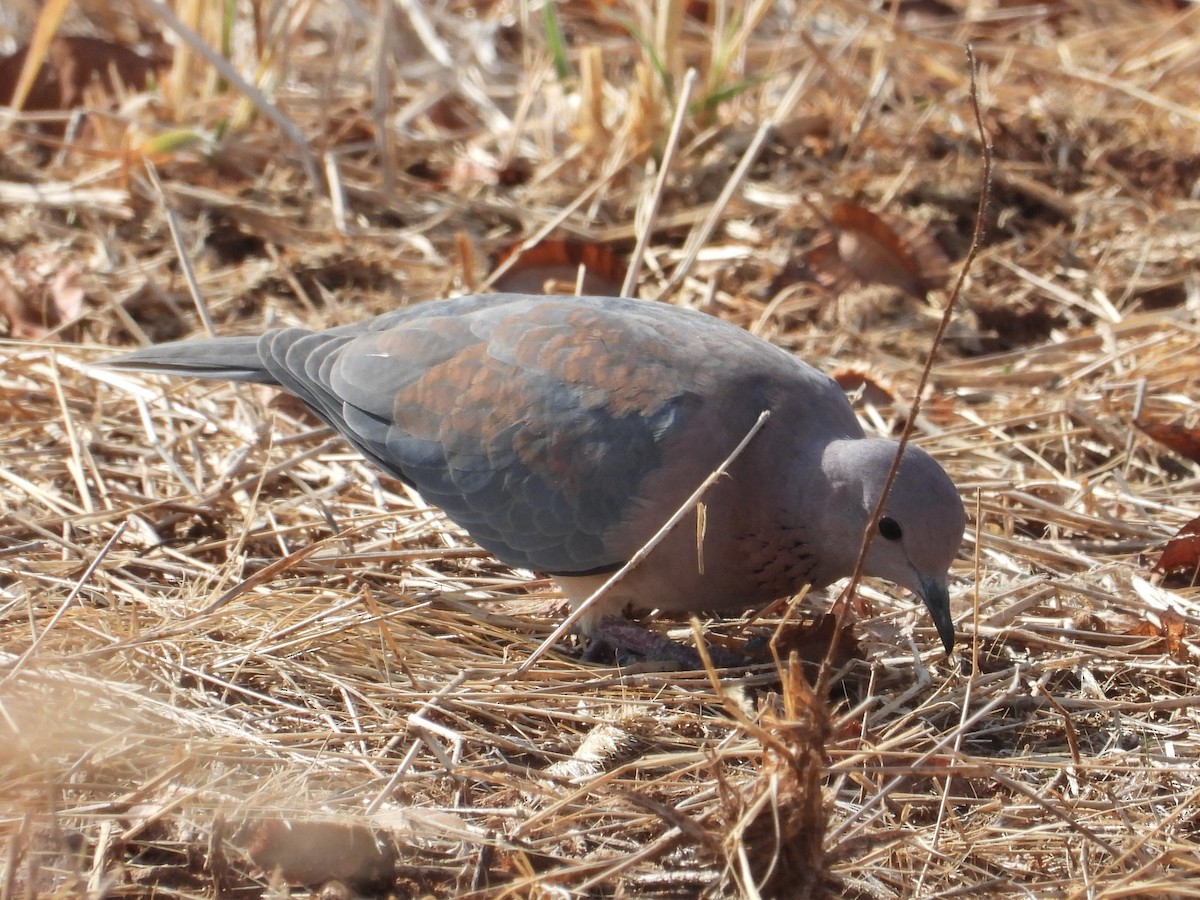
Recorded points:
(185, 264)
(646, 226)
(843, 604)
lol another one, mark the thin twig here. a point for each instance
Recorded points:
(185, 262)
(843, 603)
(648, 211)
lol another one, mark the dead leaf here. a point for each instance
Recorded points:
(1173, 627)
(1171, 630)
(856, 380)
(553, 267)
(72, 65)
(823, 264)
(877, 248)
(1174, 436)
(1182, 553)
(451, 113)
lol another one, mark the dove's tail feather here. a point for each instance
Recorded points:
(227, 358)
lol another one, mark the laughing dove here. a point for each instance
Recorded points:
(562, 432)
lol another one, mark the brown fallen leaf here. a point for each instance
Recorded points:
(553, 267)
(1170, 630)
(452, 113)
(871, 391)
(1182, 553)
(877, 248)
(1175, 436)
(72, 65)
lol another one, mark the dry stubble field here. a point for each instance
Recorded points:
(346, 718)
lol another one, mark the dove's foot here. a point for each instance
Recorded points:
(631, 643)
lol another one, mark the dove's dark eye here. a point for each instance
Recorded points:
(889, 529)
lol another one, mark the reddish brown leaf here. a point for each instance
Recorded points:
(827, 266)
(853, 380)
(1174, 436)
(877, 249)
(553, 267)
(940, 409)
(1173, 627)
(1182, 553)
(1143, 629)
(1171, 630)
(73, 64)
(452, 113)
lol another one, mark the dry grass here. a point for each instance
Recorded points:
(347, 710)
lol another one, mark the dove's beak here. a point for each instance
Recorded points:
(936, 596)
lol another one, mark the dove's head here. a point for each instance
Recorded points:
(921, 528)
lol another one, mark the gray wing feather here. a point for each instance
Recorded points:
(532, 422)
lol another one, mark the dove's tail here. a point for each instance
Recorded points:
(227, 358)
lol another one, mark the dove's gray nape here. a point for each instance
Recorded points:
(561, 432)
